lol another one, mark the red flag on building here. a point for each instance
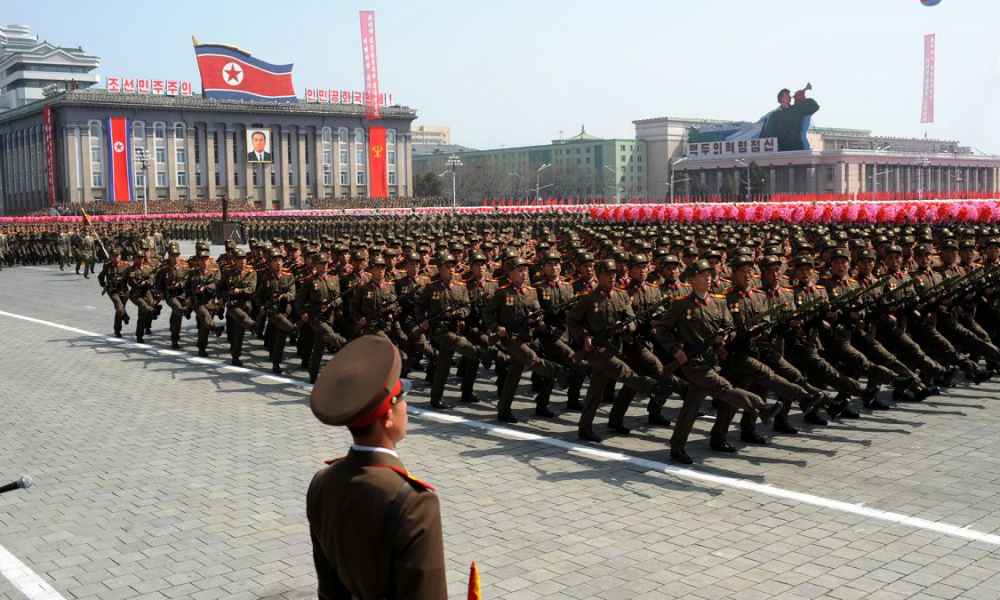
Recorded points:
(378, 186)
(119, 159)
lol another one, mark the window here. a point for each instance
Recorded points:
(623, 147)
(181, 178)
(180, 150)
(343, 178)
(361, 177)
(390, 148)
(342, 147)
(623, 158)
(359, 148)
(623, 169)
(160, 131)
(138, 134)
(829, 173)
(392, 178)
(96, 154)
(161, 178)
(161, 155)
(327, 177)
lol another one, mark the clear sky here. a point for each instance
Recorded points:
(519, 72)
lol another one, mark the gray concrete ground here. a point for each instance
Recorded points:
(159, 476)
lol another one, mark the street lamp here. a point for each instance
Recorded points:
(142, 157)
(613, 179)
(673, 164)
(875, 169)
(538, 175)
(453, 161)
(740, 161)
(923, 162)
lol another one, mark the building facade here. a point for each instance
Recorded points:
(583, 166)
(842, 161)
(197, 150)
(28, 66)
(431, 135)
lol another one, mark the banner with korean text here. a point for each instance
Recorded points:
(50, 153)
(372, 108)
(927, 112)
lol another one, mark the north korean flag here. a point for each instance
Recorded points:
(231, 74)
(120, 187)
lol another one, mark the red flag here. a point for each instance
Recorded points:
(378, 186)
(119, 161)
(232, 74)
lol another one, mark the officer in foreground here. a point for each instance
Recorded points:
(376, 529)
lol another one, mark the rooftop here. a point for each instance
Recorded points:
(103, 98)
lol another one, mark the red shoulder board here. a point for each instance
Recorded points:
(333, 460)
(413, 480)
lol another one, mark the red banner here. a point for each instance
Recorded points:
(50, 153)
(378, 186)
(372, 108)
(119, 159)
(927, 113)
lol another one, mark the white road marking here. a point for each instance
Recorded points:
(24, 579)
(651, 465)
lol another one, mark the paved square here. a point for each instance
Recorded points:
(159, 476)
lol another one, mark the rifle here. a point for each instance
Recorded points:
(446, 315)
(619, 328)
(532, 319)
(703, 347)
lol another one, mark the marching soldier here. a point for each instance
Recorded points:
(441, 308)
(598, 323)
(140, 278)
(113, 283)
(694, 331)
(170, 286)
(513, 312)
(238, 290)
(276, 295)
(201, 286)
(322, 297)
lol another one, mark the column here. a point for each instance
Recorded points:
(282, 174)
(335, 162)
(772, 181)
(209, 154)
(88, 192)
(72, 169)
(791, 179)
(229, 161)
(170, 142)
(352, 172)
(193, 193)
(811, 182)
(317, 147)
(403, 183)
(301, 135)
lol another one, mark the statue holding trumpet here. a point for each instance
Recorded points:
(790, 122)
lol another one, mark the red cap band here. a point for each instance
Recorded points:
(383, 407)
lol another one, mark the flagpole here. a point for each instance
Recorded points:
(88, 223)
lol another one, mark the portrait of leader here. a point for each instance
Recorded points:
(259, 145)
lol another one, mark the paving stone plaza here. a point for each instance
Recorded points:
(159, 474)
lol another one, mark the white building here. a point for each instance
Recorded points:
(27, 66)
